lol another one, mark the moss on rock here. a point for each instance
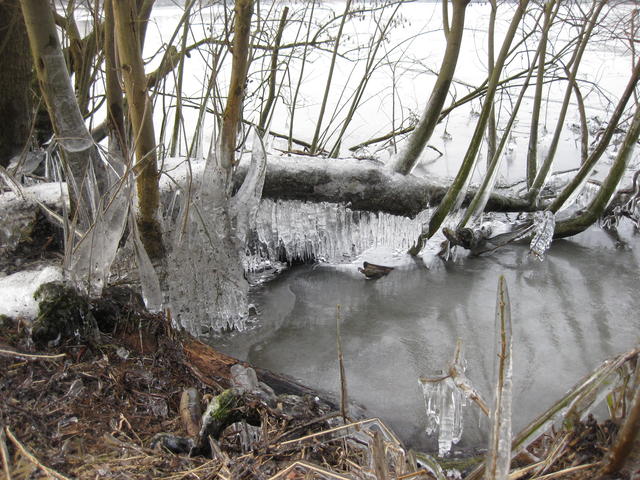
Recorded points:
(63, 315)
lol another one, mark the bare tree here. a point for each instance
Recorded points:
(141, 116)
(84, 169)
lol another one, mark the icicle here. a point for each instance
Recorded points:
(443, 403)
(149, 282)
(326, 232)
(431, 390)
(205, 282)
(92, 258)
(244, 204)
(544, 225)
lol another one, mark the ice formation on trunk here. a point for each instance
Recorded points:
(89, 264)
(205, 281)
(443, 402)
(295, 230)
(544, 224)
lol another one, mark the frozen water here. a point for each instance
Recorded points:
(205, 282)
(573, 310)
(444, 402)
(328, 232)
(90, 264)
(544, 224)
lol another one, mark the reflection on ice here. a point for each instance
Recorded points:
(575, 309)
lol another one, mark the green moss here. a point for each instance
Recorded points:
(5, 321)
(222, 406)
(63, 314)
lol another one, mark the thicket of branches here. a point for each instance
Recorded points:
(111, 110)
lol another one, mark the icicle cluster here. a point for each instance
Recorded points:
(205, 283)
(544, 225)
(294, 230)
(443, 402)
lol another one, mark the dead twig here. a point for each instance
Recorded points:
(5, 456)
(48, 471)
(30, 356)
(566, 471)
(343, 378)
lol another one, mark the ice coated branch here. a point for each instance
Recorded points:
(361, 184)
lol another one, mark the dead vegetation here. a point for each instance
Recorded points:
(126, 403)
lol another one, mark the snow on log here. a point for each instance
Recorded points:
(360, 184)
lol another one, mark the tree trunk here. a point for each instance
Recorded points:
(469, 160)
(416, 142)
(532, 151)
(543, 173)
(75, 142)
(16, 105)
(113, 91)
(141, 115)
(603, 143)
(233, 111)
(597, 207)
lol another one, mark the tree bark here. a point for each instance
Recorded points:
(585, 34)
(115, 102)
(75, 142)
(361, 184)
(606, 192)
(141, 115)
(603, 143)
(532, 151)
(233, 111)
(16, 75)
(213, 368)
(469, 160)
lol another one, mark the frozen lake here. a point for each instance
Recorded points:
(569, 313)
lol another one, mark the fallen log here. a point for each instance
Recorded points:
(361, 184)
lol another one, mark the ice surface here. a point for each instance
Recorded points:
(544, 226)
(17, 290)
(329, 232)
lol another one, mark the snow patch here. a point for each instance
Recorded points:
(16, 290)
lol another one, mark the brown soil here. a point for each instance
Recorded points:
(84, 414)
